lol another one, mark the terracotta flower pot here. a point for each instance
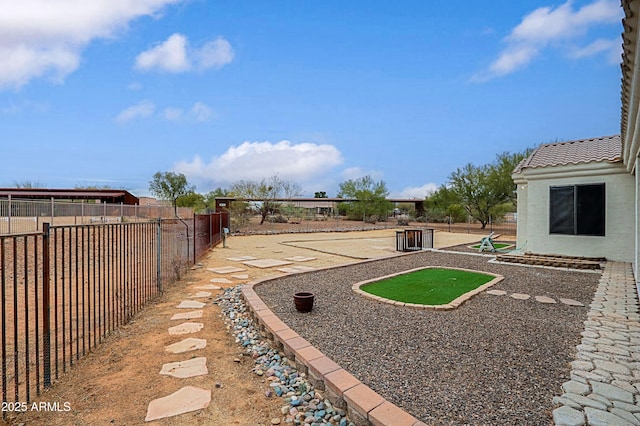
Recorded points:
(303, 301)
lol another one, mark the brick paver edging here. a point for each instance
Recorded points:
(446, 307)
(364, 406)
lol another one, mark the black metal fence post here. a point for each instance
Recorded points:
(46, 302)
(159, 256)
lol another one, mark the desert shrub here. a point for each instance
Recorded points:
(403, 221)
(372, 219)
(277, 219)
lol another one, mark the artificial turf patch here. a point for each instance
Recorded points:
(430, 286)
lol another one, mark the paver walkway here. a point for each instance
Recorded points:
(605, 377)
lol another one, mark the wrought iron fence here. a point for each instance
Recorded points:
(505, 226)
(65, 289)
(22, 216)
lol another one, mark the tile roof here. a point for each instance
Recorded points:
(606, 148)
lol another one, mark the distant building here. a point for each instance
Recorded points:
(111, 196)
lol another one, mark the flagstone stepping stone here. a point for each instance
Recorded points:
(300, 258)
(295, 269)
(266, 263)
(186, 345)
(520, 296)
(241, 258)
(187, 315)
(571, 302)
(220, 280)
(226, 269)
(201, 294)
(183, 369)
(191, 304)
(209, 287)
(497, 292)
(185, 400)
(186, 328)
(545, 299)
(241, 276)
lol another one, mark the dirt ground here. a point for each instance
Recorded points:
(114, 384)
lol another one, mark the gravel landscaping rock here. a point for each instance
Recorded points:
(494, 360)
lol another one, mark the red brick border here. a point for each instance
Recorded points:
(364, 406)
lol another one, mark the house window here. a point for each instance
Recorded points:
(577, 209)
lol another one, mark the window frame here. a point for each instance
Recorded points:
(578, 220)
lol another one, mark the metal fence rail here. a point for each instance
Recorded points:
(22, 216)
(64, 290)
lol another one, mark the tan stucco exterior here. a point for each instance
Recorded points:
(533, 211)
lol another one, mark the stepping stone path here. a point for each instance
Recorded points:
(187, 399)
(226, 269)
(186, 328)
(183, 369)
(300, 258)
(201, 294)
(605, 377)
(186, 345)
(187, 315)
(209, 287)
(266, 263)
(540, 299)
(191, 304)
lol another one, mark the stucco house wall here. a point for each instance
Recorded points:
(533, 234)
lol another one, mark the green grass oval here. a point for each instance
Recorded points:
(430, 286)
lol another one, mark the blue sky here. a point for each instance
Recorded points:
(108, 92)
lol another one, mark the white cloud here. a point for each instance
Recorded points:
(416, 191)
(547, 26)
(353, 173)
(213, 54)
(301, 163)
(173, 114)
(142, 109)
(174, 55)
(44, 38)
(611, 48)
(169, 56)
(201, 112)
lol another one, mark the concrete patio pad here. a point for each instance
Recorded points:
(186, 328)
(186, 345)
(187, 315)
(183, 369)
(226, 269)
(189, 398)
(266, 263)
(191, 304)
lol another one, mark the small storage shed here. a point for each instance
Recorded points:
(576, 198)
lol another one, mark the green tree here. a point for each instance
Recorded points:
(371, 196)
(320, 194)
(210, 197)
(488, 190)
(192, 199)
(170, 186)
(445, 204)
(267, 192)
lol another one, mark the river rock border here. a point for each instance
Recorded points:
(364, 406)
(454, 304)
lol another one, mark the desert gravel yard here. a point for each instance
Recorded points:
(494, 360)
